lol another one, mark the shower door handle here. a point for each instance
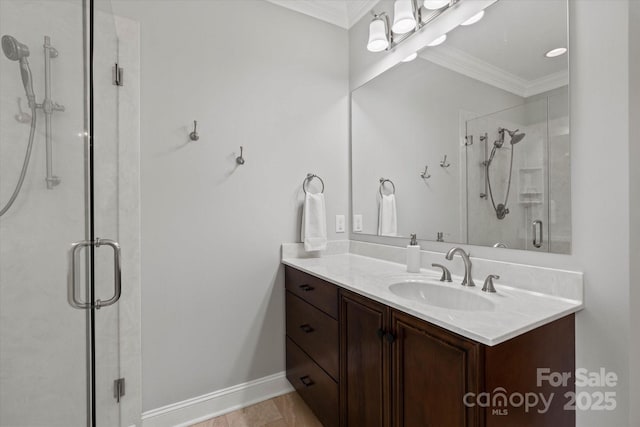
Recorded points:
(537, 233)
(72, 289)
(117, 272)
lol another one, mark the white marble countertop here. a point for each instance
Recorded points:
(515, 311)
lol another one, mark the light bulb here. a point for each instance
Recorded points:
(378, 40)
(404, 19)
(435, 4)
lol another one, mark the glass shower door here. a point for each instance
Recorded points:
(59, 308)
(508, 178)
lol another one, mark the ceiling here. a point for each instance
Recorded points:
(343, 13)
(506, 48)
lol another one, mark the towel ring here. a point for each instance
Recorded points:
(382, 181)
(309, 177)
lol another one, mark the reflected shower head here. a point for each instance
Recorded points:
(513, 134)
(13, 49)
(516, 137)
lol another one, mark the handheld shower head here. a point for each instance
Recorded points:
(16, 51)
(13, 49)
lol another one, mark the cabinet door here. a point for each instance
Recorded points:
(432, 371)
(364, 362)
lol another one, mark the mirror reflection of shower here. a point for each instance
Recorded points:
(501, 209)
(19, 52)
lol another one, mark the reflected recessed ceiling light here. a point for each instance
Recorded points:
(411, 57)
(438, 41)
(435, 4)
(556, 52)
(475, 18)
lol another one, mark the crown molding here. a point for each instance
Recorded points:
(343, 13)
(475, 68)
(357, 9)
(333, 12)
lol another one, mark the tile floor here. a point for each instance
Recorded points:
(288, 410)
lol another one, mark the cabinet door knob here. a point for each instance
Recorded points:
(307, 328)
(390, 337)
(380, 333)
(306, 287)
(306, 381)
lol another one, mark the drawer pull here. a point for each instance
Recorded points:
(306, 287)
(307, 328)
(306, 381)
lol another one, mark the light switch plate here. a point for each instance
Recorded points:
(357, 223)
(340, 223)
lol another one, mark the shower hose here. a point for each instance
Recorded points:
(25, 164)
(506, 199)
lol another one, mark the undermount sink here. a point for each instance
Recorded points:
(444, 296)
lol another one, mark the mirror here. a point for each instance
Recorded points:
(469, 142)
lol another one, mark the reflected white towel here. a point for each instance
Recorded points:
(387, 216)
(314, 223)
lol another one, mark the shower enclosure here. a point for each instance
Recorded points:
(518, 176)
(69, 327)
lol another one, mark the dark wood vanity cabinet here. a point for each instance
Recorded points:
(396, 370)
(364, 362)
(401, 371)
(312, 343)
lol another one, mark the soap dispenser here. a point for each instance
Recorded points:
(413, 255)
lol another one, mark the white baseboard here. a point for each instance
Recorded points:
(197, 409)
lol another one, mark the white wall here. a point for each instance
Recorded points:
(402, 121)
(600, 123)
(252, 74)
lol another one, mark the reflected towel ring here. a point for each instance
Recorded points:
(382, 181)
(309, 177)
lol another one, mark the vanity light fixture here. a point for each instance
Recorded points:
(475, 18)
(411, 57)
(408, 18)
(556, 52)
(435, 4)
(404, 16)
(438, 41)
(379, 36)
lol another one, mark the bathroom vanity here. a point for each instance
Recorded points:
(361, 356)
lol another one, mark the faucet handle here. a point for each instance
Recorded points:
(488, 283)
(446, 274)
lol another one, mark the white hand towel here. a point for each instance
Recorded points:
(314, 223)
(387, 216)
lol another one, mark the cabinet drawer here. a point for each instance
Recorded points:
(315, 387)
(315, 332)
(315, 291)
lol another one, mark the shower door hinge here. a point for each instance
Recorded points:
(118, 389)
(118, 75)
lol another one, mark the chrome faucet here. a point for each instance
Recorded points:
(468, 280)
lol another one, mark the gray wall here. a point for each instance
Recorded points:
(252, 74)
(634, 232)
(600, 125)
